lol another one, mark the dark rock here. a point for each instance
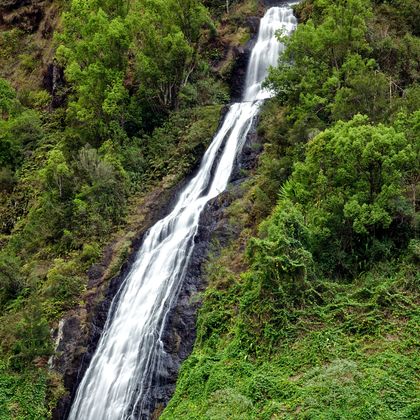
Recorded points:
(54, 82)
(15, 4)
(273, 3)
(237, 78)
(249, 156)
(238, 75)
(23, 14)
(180, 330)
(253, 23)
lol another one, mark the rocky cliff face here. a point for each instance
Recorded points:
(180, 331)
(78, 333)
(23, 14)
(26, 53)
(242, 55)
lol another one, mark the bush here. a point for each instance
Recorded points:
(32, 338)
(281, 259)
(11, 280)
(63, 287)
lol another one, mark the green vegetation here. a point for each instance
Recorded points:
(318, 317)
(139, 104)
(347, 352)
(22, 395)
(312, 310)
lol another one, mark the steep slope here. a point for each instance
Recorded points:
(315, 313)
(96, 136)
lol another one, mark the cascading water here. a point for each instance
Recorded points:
(131, 350)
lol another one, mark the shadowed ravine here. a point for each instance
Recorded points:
(130, 352)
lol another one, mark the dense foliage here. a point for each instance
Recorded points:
(319, 317)
(312, 315)
(133, 103)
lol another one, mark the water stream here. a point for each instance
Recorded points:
(130, 350)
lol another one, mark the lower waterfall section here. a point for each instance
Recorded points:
(120, 376)
(130, 354)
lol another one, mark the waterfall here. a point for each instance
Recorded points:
(130, 350)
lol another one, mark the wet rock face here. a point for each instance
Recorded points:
(22, 14)
(79, 332)
(180, 331)
(82, 328)
(238, 75)
(242, 54)
(54, 82)
(272, 3)
(253, 23)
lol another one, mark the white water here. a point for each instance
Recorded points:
(131, 349)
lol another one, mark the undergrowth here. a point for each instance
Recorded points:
(353, 354)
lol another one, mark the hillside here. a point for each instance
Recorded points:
(317, 315)
(97, 130)
(311, 306)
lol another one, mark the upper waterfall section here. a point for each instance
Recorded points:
(267, 50)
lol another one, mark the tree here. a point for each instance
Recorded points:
(352, 191)
(93, 49)
(311, 69)
(56, 174)
(167, 45)
(364, 90)
(100, 194)
(281, 257)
